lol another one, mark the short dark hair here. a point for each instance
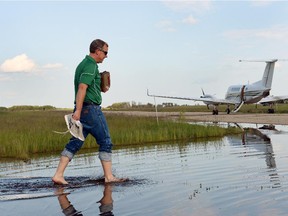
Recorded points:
(96, 44)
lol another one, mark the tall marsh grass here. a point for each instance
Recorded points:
(24, 133)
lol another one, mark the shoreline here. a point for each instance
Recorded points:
(259, 118)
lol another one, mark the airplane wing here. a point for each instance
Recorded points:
(206, 100)
(273, 99)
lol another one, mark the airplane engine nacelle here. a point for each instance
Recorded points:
(265, 94)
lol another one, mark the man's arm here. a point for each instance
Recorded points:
(81, 93)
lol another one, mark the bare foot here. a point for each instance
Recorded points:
(59, 180)
(115, 180)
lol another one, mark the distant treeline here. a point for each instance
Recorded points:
(27, 107)
(169, 107)
(164, 107)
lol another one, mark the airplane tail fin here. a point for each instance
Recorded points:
(268, 73)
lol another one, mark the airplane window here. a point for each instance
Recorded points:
(235, 89)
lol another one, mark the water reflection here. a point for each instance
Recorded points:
(105, 208)
(244, 174)
(66, 206)
(106, 202)
(255, 138)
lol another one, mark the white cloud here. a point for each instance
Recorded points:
(189, 20)
(276, 32)
(20, 63)
(188, 5)
(23, 64)
(166, 25)
(185, 7)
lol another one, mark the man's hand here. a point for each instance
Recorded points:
(79, 100)
(76, 115)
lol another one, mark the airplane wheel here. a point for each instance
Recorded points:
(228, 111)
(215, 112)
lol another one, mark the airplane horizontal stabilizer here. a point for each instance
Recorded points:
(273, 99)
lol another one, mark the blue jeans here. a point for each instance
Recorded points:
(93, 122)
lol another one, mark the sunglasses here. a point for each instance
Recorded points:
(105, 52)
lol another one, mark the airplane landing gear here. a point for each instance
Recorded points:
(228, 110)
(215, 111)
(271, 109)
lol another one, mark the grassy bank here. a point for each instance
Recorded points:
(24, 133)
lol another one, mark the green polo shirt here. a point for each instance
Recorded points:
(87, 72)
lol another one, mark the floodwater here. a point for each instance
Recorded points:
(237, 175)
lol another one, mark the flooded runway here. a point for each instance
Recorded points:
(245, 174)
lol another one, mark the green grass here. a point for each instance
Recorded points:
(26, 133)
(130, 130)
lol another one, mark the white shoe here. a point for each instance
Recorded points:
(74, 127)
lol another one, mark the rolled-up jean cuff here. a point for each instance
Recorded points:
(68, 154)
(105, 156)
(106, 208)
(70, 210)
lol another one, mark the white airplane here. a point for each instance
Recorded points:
(237, 95)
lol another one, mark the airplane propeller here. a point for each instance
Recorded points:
(204, 97)
(203, 92)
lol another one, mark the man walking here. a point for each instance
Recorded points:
(87, 85)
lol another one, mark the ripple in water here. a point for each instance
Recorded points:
(237, 175)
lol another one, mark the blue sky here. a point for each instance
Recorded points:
(170, 47)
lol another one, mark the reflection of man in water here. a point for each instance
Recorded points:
(67, 208)
(105, 208)
(106, 202)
